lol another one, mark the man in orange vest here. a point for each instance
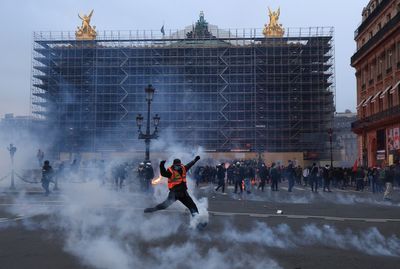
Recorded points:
(176, 175)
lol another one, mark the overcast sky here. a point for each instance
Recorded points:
(19, 19)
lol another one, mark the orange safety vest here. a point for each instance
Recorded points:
(176, 178)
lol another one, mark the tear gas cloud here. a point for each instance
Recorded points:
(107, 229)
(370, 241)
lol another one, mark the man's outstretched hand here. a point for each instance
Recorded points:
(197, 158)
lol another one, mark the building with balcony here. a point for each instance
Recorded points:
(377, 64)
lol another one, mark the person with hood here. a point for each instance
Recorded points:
(263, 174)
(221, 177)
(47, 173)
(149, 175)
(141, 175)
(176, 175)
(238, 175)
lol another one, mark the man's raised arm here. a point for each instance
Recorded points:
(189, 165)
(164, 172)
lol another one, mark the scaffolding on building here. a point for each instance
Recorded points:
(224, 90)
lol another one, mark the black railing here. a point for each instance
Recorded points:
(363, 123)
(371, 17)
(376, 38)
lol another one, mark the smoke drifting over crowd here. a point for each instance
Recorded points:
(106, 228)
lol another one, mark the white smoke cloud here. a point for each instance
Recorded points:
(107, 229)
(370, 241)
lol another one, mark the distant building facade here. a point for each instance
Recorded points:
(224, 90)
(377, 64)
(13, 127)
(345, 139)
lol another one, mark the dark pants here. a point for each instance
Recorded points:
(314, 183)
(274, 185)
(305, 179)
(182, 196)
(360, 184)
(238, 183)
(262, 185)
(291, 183)
(45, 185)
(327, 183)
(221, 183)
(373, 185)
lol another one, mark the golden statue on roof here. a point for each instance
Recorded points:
(86, 31)
(273, 29)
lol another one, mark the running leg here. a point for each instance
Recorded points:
(170, 200)
(188, 202)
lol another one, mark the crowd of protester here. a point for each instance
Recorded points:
(248, 175)
(244, 175)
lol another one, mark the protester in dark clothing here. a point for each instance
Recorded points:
(263, 174)
(221, 177)
(248, 175)
(290, 174)
(275, 176)
(388, 178)
(298, 174)
(198, 174)
(119, 174)
(149, 176)
(238, 175)
(327, 175)
(141, 175)
(47, 173)
(230, 175)
(360, 174)
(314, 178)
(176, 175)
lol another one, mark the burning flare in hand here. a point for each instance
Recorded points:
(156, 180)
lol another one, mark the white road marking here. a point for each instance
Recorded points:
(256, 215)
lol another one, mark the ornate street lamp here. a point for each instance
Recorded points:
(147, 136)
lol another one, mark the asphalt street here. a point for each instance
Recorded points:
(269, 224)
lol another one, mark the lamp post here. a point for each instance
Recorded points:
(330, 132)
(147, 136)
